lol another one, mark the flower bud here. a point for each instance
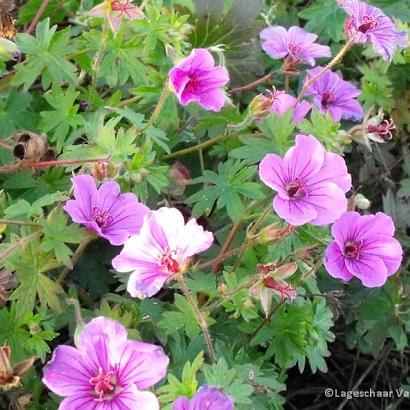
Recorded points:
(273, 233)
(103, 170)
(260, 106)
(179, 176)
(222, 288)
(359, 201)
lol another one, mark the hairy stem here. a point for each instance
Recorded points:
(17, 222)
(158, 108)
(336, 59)
(77, 254)
(199, 315)
(201, 146)
(100, 52)
(255, 83)
(224, 256)
(267, 320)
(231, 237)
(253, 229)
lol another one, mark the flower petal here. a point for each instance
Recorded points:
(328, 200)
(66, 374)
(370, 269)
(334, 262)
(294, 212)
(305, 159)
(271, 173)
(182, 403)
(193, 239)
(144, 364)
(145, 283)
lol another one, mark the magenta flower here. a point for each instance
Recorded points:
(369, 24)
(296, 44)
(206, 398)
(334, 95)
(106, 371)
(161, 250)
(196, 79)
(106, 211)
(364, 247)
(310, 182)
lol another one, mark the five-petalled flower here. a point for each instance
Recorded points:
(364, 247)
(106, 371)
(334, 95)
(369, 24)
(197, 79)
(311, 183)
(296, 45)
(161, 250)
(105, 211)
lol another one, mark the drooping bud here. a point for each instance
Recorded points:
(179, 176)
(102, 170)
(260, 106)
(359, 201)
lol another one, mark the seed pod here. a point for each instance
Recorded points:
(32, 147)
(10, 376)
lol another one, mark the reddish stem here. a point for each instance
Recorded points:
(37, 17)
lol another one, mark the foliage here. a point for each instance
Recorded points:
(104, 103)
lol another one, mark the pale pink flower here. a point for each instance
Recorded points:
(115, 11)
(162, 249)
(272, 281)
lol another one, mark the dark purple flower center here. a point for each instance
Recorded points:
(368, 24)
(295, 189)
(104, 385)
(192, 84)
(102, 218)
(383, 129)
(294, 48)
(328, 97)
(352, 249)
(168, 261)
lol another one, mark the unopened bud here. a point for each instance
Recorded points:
(260, 106)
(103, 170)
(179, 176)
(273, 233)
(222, 289)
(359, 201)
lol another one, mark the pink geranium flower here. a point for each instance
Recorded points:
(334, 95)
(106, 371)
(295, 44)
(115, 11)
(310, 182)
(369, 24)
(197, 79)
(364, 247)
(161, 250)
(105, 211)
